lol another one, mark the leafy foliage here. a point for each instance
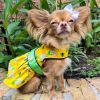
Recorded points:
(95, 71)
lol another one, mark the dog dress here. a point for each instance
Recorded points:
(21, 69)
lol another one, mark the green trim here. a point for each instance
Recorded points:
(33, 63)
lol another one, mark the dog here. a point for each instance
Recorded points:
(56, 31)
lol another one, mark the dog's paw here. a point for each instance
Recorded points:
(65, 90)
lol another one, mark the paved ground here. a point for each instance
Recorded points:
(81, 89)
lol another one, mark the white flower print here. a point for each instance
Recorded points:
(18, 81)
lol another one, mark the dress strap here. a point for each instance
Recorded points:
(33, 63)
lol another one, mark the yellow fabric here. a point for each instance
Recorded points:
(19, 71)
(45, 52)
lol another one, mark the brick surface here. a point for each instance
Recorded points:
(79, 90)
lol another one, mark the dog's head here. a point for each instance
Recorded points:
(62, 23)
(58, 26)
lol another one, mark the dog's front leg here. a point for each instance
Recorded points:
(51, 86)
(61, 82)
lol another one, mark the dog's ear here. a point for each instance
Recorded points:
(37, 23)
(84, 13)
(38, 17)
(83, 24)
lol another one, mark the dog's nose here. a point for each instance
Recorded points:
(63, 25)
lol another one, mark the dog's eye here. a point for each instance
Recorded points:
(71, 20)
(54, 23)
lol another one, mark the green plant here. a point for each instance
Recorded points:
(95, 71)
(77, 54)
(93, 38)
(16, 40)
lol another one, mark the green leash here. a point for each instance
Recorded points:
(33, 63)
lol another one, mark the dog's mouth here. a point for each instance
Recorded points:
(63, 32)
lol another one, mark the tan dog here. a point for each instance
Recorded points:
(56, 30)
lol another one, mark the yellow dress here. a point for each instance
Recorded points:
(23, 68)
